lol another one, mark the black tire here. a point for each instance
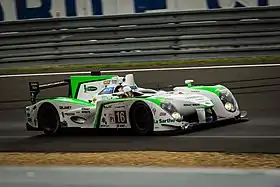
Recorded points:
(141, 118)
(48, 119)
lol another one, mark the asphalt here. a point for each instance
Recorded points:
(257, 90)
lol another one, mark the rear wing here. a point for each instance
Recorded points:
(35, 88)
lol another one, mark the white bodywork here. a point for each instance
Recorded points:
(102, 111)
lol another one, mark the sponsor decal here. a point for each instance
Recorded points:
(64, 107)
(111, 118)
(89, 88)
(69, 114)
(85, 112)
(104, 125)
(191, 104)
(194, 97)
(121, 125)
(107, 106)
(104, 121)
(165, 121)
(122, 106)
(162, 114)
(85, 109)
(106, 82)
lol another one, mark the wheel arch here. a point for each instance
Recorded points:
(51, 103)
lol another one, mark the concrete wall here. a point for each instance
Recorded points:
(30, 9)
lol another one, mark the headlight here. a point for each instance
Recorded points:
(229, 107)
(228, 100)
(177, 116)
(168, 107)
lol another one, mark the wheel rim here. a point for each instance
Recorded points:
(141, 116)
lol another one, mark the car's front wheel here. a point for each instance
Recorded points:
(141, 118)
(48, 119)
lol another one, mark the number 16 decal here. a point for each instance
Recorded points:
(120, 117)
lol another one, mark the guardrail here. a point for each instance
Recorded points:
(143, 37)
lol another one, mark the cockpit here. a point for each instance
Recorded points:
(110, 89)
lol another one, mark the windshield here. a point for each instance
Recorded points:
(107, 90)
(113, 89)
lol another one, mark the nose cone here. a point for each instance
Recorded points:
(194, 100)
(199, 100)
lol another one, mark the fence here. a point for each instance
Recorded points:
(143, 37)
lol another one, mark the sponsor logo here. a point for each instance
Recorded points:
(86, 112)
(85, 108)
(69, 114)
(104, 120)
(111, 118)
(165, 121)
(120, 106)
(191, 104)
(162, 114)
(106, 82)
(89, 88)
(107, 106)
(64, 107)
(104, 125)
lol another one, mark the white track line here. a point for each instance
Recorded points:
(145, 70)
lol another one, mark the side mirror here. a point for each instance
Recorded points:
(189, 82)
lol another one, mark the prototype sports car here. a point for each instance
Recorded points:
(111, 101)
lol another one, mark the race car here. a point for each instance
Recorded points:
(111, 101)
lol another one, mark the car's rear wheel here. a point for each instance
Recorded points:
(141, 118)
(48, 119)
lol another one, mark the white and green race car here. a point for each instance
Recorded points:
(110, 101)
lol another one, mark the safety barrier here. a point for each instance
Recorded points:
(143, 37)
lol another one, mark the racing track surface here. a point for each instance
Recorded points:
(257, 90)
